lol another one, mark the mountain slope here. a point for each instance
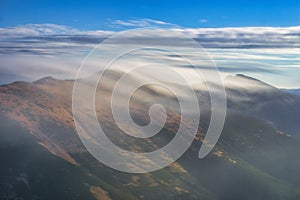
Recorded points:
(29, 171)
(254, 159)
(258, 99)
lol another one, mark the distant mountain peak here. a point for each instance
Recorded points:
(47, 80)
(247, 77)
(241, 80)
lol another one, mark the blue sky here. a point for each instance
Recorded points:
(92, 15)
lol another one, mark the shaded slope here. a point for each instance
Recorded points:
(258, 99)
(29, 171)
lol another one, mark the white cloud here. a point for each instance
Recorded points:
(141, 23)
(36, 30)
(45, 48)
(203, 20)
(27, 36)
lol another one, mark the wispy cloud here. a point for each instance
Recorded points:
(36, 30)
(246, 37)
(203, 20)
(141, 23)
(48, 39)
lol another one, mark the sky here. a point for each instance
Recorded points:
(91, 15)
(257, 38)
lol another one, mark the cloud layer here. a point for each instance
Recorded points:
(264, 52)
(38, 37)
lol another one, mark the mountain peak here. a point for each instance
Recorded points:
(241, 80)
(246, 77)
(47, 79)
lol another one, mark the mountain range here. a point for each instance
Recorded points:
(256, 156)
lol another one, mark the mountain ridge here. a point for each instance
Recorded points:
(248, 146)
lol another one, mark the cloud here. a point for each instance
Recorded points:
(203, 20)
(58, 49)
(36, 30)
(141, 23)
(47, 38)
